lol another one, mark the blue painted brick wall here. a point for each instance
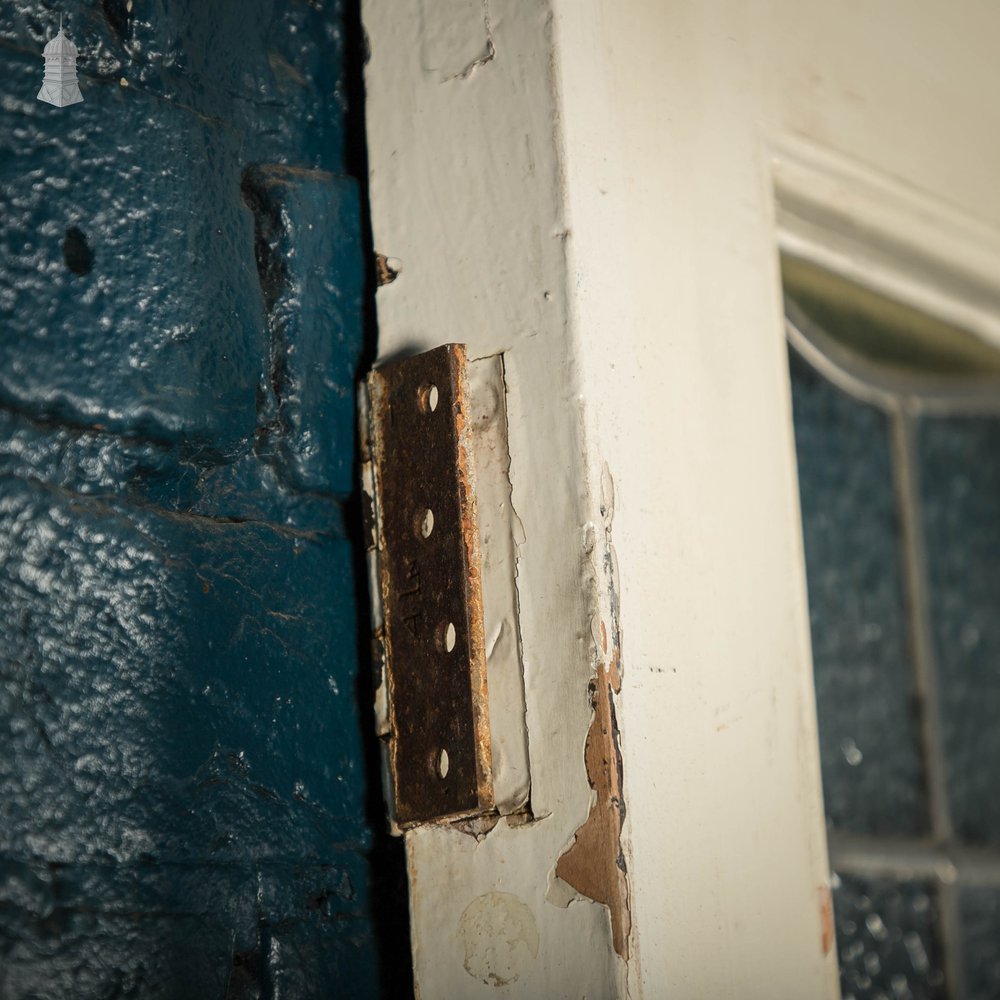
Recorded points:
(185, 808)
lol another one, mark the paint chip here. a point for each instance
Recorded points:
(594, 864)
(826, 918)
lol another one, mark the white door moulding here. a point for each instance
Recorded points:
(599, 189)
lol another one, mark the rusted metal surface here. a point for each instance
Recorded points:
(434, 654)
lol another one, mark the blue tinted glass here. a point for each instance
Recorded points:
(980, 916)
(960, 489)
(887, 942)
(871, 762)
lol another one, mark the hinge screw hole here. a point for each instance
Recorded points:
(425, 523)
(446, 636)
(427, 398)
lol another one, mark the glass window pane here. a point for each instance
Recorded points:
(980, 916)
(872, 770)
(887, 939)
(881, 336)
(960, 490)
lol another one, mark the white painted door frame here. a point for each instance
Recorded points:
(599, 189)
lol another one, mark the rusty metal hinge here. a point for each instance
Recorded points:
(442, 552)
(425, 421)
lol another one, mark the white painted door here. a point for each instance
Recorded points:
(599, 189)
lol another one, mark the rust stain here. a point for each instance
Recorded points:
(280, 65)
(282, 173)
(826, 918)
(469, 523)
(594, 864)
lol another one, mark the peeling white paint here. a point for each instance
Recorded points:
(486, 428)
(587, 186)
(456, 38)
(670, 114)
(500, 937)
(466, 190)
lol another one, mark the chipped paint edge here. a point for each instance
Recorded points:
(503, 118)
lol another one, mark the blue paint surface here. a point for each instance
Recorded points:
(184, 799)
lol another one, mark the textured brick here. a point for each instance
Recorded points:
(185, 806)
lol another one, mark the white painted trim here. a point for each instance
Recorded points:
(882, 233)
(599, 189)
(683, 373)
(466, 193)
